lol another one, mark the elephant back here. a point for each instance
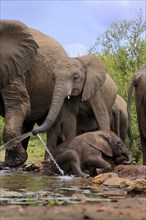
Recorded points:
(18, 50)
(98, 142)
(50, 50)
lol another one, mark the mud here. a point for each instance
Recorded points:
(27, 193)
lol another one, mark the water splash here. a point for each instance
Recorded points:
(66, 178)
(15, 141)
(51, 156)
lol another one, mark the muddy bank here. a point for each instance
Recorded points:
(129, 209)
(29, 194)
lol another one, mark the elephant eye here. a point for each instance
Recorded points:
(53, 77)
(76, 77)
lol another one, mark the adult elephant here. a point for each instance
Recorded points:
(28, 58)
(83, 90)
(139, 84)
(119, 118)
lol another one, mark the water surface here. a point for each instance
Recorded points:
(37, 189)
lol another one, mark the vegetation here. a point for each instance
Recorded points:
(122, 49)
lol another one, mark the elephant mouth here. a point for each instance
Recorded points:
(75, 92)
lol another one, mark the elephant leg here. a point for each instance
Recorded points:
(99, 163)
(2, 110)
(71, 157)
(27, 127)
(55, 136)
(117, 122)
(69, 122)
(100, 112)
(143, 144)
(17, 107)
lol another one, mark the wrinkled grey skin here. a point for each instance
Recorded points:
(92, 94)
(139, 84)
(91, 153)
(119, 118)
(28, 58)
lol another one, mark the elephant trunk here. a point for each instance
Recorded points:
(128, 159)
(60, 93)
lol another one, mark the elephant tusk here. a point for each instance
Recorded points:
(68, 97)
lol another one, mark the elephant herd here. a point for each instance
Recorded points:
(73, 100)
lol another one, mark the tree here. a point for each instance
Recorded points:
(122, 49)
(124, 43)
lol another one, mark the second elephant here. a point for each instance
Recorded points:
(139, 84)
(91, 153)
(83, 90)
(119, 118)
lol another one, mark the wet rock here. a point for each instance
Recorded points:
(112, 180)
(103, 177)
(137, 186)
(117, 182)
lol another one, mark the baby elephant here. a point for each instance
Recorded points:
(92, 153)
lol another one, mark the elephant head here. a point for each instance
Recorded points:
(18, 50)
(82, 76)
(118, 149)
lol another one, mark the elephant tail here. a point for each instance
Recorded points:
(130, 91)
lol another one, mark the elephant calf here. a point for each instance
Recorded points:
(92, 153)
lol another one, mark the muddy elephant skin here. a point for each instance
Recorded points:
(84, 91)
(91, 153)
(139, 84)
(28, 58)
(119, 118)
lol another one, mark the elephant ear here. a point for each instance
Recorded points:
(95, 75)
(18, 50)
(98, 142)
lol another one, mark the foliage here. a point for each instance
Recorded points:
(122, 49)
(54, 202)
(124, 44)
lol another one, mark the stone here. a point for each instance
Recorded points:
(103, 177)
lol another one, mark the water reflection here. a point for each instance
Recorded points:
(35, 188)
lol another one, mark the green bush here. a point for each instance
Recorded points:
(122, 49)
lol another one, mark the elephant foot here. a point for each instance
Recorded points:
(83, 175)
(102, 170)
(15, 157)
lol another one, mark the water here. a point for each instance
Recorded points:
(37, 189)
(51, 156)
(28, 188)
(15, 141)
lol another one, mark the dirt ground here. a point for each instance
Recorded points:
(134, 209)
(131, 208)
